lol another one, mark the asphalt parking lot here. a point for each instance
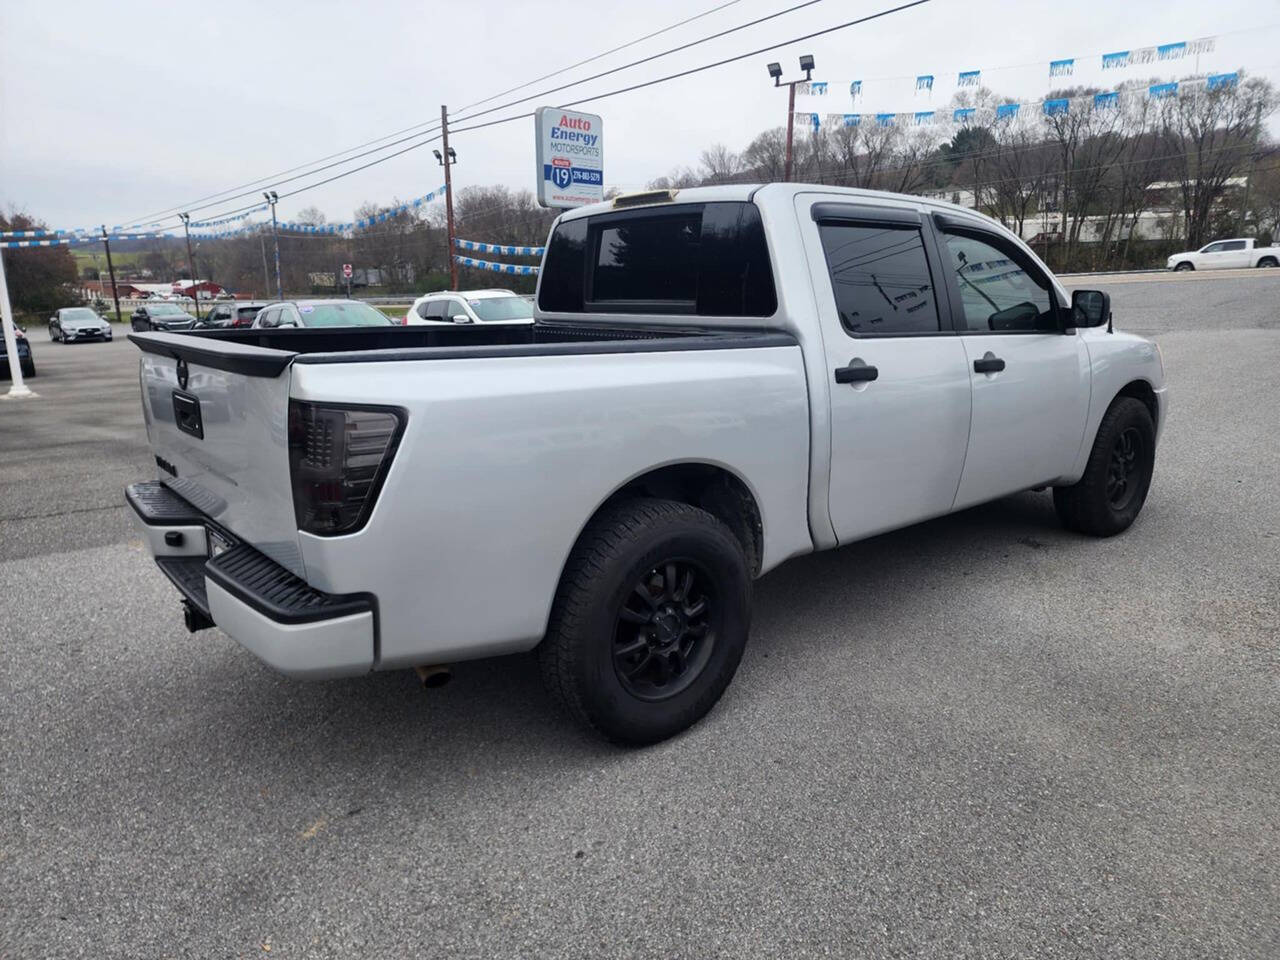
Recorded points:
(979, 737)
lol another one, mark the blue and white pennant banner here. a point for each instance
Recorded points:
(516, 269)
(505, 249)
(382, 216)
(232, 219)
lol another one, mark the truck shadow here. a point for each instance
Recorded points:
(494, 720)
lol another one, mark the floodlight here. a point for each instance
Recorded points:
(775, 71)
(806, 63)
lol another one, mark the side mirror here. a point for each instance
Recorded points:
(460, 318)
(1090, 308)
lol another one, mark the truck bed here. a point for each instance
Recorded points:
(266, 353)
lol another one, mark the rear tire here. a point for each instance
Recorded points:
(1184, 266)
(650, 620)
(1109, 496)
(28, 368)
(1268, 262)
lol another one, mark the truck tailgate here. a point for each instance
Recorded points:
(217, 421)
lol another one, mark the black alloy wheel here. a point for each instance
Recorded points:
(650, 619)
(665, 630)
(1123, 468)
(1108, 497)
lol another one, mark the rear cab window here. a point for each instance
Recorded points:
(704, 259)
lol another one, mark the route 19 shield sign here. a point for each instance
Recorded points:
(570, 161)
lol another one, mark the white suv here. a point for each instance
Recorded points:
(470, 306)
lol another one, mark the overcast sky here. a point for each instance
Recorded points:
(110, 112)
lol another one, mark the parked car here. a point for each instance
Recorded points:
(732, 376)
(76, 324)
(232, 313)
(26, 359)
(470, 306)
(1225, 255)
(160, 316)
(321, 313)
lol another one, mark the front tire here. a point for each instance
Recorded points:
(1109, 496)
(1183, 267)
(650, 620)
(28, 368)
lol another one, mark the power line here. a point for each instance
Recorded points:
(644, 60)
(708, 66)
(637, 86)
(220, 196)
(598, 56)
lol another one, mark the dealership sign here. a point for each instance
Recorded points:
(570, 157)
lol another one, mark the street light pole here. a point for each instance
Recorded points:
(273, 199)
(447, 161)
(191, 262)
(775, 71)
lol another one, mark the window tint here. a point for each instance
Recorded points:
(996, 294)
(648, 259)
(246, 314)
(435, 309)
(267, 318)
(706, 259)
(1213, 248)
(1233, 245)
(880, 278)
(561, 283)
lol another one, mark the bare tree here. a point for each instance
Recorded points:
(766, 155)
(1213, 134)
(719, 164)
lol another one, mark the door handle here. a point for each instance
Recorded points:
(988, 364)
(856, 374)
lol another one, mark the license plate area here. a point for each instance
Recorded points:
(186, 414)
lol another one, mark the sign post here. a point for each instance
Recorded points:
(570, 155)
(346, 275)
(17, 390)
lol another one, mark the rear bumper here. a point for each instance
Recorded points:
(301, 631)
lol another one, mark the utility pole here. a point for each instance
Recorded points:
(191, 262)
(17, 389)
(115, 294)
(266, 276)
(273, 199)
(447, 161)
(775, 71)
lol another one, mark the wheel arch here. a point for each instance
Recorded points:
(708, 485)
(1142, 390)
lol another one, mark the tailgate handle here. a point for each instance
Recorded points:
(186, 414)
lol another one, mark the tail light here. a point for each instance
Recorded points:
(338, 459)
(404, 321)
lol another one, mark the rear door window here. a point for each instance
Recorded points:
(880, 277)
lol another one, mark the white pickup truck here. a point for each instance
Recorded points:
(1241, 252)
(717, 380)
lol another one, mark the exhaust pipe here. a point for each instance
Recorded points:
(434, 675)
